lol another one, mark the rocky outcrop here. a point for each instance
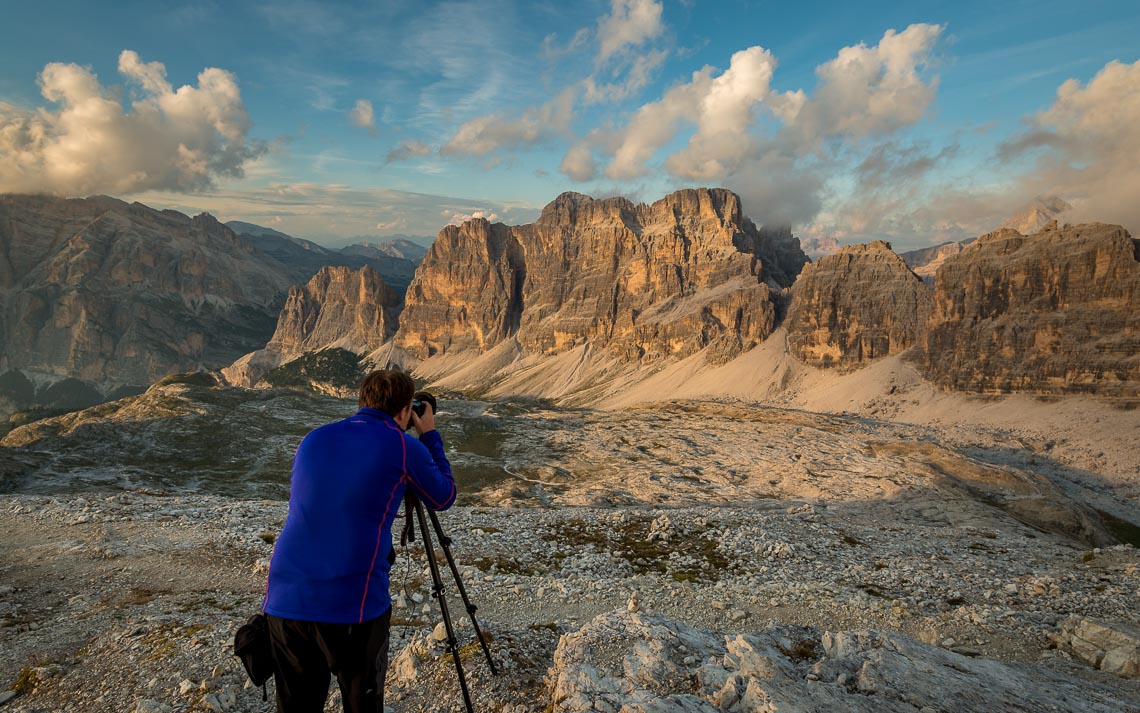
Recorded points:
(857, 305)
(641, 281)
(338, 308)
(1111, 647)
(114, 293)
(642, 663)
(1054, 312)
(349, 308)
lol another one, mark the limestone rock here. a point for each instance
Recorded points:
(117, 293)
(636, 662)
(641, 281)
(1054, 312)
(342, 307)
(1111, 647)
(857, 305)
(338, 308)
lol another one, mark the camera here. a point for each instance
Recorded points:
(419, 405)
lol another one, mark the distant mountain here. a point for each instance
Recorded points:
(97, 293)
(304, 258)
(397, 247)
(1030, 219)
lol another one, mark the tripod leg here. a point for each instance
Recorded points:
(445, 542)
(437, 592)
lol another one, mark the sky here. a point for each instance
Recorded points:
(916, 122)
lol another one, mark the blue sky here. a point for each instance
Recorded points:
(333, 120)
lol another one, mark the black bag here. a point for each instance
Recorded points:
(251, 645)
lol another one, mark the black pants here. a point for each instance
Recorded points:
(306, 652)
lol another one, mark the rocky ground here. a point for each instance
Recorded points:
(681, 557)
(112, 601)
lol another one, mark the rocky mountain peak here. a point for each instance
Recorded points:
(118, 293)
(856, 305)
(641, 281)
(1050, 312)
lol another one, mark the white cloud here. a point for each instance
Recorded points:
(724, 117)
(487, 133)
(629, 24)
(869, 90)
(406, 150)
(363, 116)
(1088, 142)
(579, 163)
(168, 139)
(638, 75)
(722, 109)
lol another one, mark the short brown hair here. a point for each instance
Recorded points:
(387, 390)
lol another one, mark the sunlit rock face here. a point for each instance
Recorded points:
(641, 281)
(351, 308)
(1053, 312)
(112, 292)
(856, 305)
(337, 308)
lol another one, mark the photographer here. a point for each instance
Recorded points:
(327, 601)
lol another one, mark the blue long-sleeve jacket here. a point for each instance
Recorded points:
(330, 563)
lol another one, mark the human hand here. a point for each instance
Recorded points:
(426, 422)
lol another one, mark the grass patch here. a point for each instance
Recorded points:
(267, 537)
(26, 681)
(162, 641)
(630, 541)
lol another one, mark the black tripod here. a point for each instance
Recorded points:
(412, 502)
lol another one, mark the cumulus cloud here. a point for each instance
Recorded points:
(870, 90)
(363, 116)
(724, 117)
(406, 150)
(1085, 146)
(169, 139)
(863, 91)
(484, 134)
(629, 24)
(578, 163)
(721, 107)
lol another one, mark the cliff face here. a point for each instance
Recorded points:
(642, 281)
(112, 292)
(340, 308)
(350, 308)
(854, 306)
(1057, 312)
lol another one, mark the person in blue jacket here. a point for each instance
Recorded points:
(327, 600)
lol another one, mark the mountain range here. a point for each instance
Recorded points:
(594, 296)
